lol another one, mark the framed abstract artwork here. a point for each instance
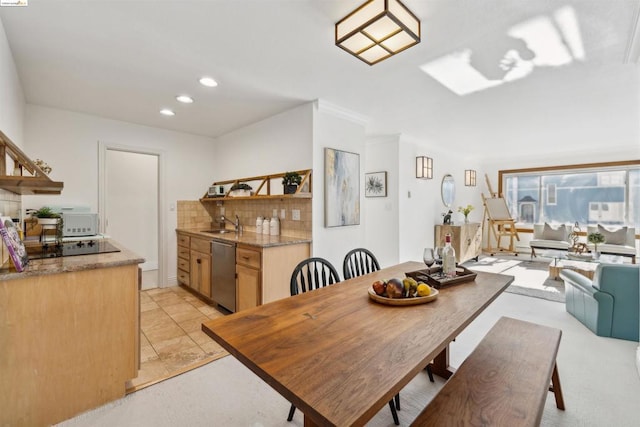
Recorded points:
(341, 188)
(375, 184)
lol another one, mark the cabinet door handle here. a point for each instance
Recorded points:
(245, 257)
(198, 260)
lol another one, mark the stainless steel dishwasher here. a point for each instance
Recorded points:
(223, 274)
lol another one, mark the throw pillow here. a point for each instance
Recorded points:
(550, 233)
(618, 237)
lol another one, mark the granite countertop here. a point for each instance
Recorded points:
(39, 267)
(248, 238)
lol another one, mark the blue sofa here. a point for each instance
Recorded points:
(610, 304)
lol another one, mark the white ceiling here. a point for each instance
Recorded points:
(127, 59)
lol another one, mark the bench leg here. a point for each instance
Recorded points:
(556, 389)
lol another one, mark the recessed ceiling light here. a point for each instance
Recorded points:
(186, 99)
(208, 81)
(167, 112)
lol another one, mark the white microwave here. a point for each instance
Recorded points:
(79, 224)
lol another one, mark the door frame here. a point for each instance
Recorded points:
(103, 147)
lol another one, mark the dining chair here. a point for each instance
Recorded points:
(309, 274)
(359, 261)
(313, 273)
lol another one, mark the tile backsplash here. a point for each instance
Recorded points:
(192, 214)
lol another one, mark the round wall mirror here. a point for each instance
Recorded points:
(448, 190)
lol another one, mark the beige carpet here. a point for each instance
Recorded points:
(531, 276)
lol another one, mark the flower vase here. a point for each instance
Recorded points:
(466, 219)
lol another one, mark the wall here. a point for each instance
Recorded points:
(12, 101)
(336, 128)
(11, 124)
(277, 144)
(68, 142)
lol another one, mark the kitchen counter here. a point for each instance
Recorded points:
(39, 267)
(70, 335)
(248, 238)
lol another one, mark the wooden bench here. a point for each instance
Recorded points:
(503, 382)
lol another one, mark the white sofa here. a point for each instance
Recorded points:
(618, 240)
(546, 236)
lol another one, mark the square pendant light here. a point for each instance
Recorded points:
(378, 29)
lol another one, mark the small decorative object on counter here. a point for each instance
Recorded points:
(448, 258)
(274, 227)
(465, 211)
(447, 218)
(259, 225)
(265, 226)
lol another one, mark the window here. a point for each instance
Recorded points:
(597, 193)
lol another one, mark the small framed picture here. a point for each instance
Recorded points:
(375, 184)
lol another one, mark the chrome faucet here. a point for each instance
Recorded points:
(236, 224)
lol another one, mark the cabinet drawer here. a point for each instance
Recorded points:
(183, 264)
(183, 240)
(248, 257)
(183, 277)
(183, 253)
(201, 245)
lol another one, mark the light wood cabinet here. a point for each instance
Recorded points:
(194, 263)
(263, 274)
(248, 273)
(184, 255)
(200, 266)
(466, 239)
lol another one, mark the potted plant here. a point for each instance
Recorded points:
(465, 211)
(46, 216)
(290, 182)
(240, 189)
(596, 239)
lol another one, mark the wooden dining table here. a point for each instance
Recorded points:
(339, 356)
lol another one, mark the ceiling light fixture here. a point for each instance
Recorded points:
(167, 112)
(378, 29)
(208, 82)
(185, 99)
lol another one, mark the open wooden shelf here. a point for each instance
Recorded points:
(264, 188)
(36, 183)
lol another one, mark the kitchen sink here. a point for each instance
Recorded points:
(220, 231)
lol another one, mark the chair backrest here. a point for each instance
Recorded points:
(359, 261)
(622, 282)
(313, 273)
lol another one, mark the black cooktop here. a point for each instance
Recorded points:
(86, 247)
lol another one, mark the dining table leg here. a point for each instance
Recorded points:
(440, 365)
(308, 422)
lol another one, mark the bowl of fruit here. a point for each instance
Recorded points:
(407, 291)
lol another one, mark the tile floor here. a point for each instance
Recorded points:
(171, 340)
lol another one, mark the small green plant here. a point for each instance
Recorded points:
(45, 212)
(240, 186)
(596, 239)
(466, 210)
(291, 178)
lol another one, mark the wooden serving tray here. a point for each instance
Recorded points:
(403, 301)
(433, 279)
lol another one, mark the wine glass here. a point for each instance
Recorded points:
(438, 257)
(428, 257)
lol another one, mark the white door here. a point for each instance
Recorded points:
(130, 211)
